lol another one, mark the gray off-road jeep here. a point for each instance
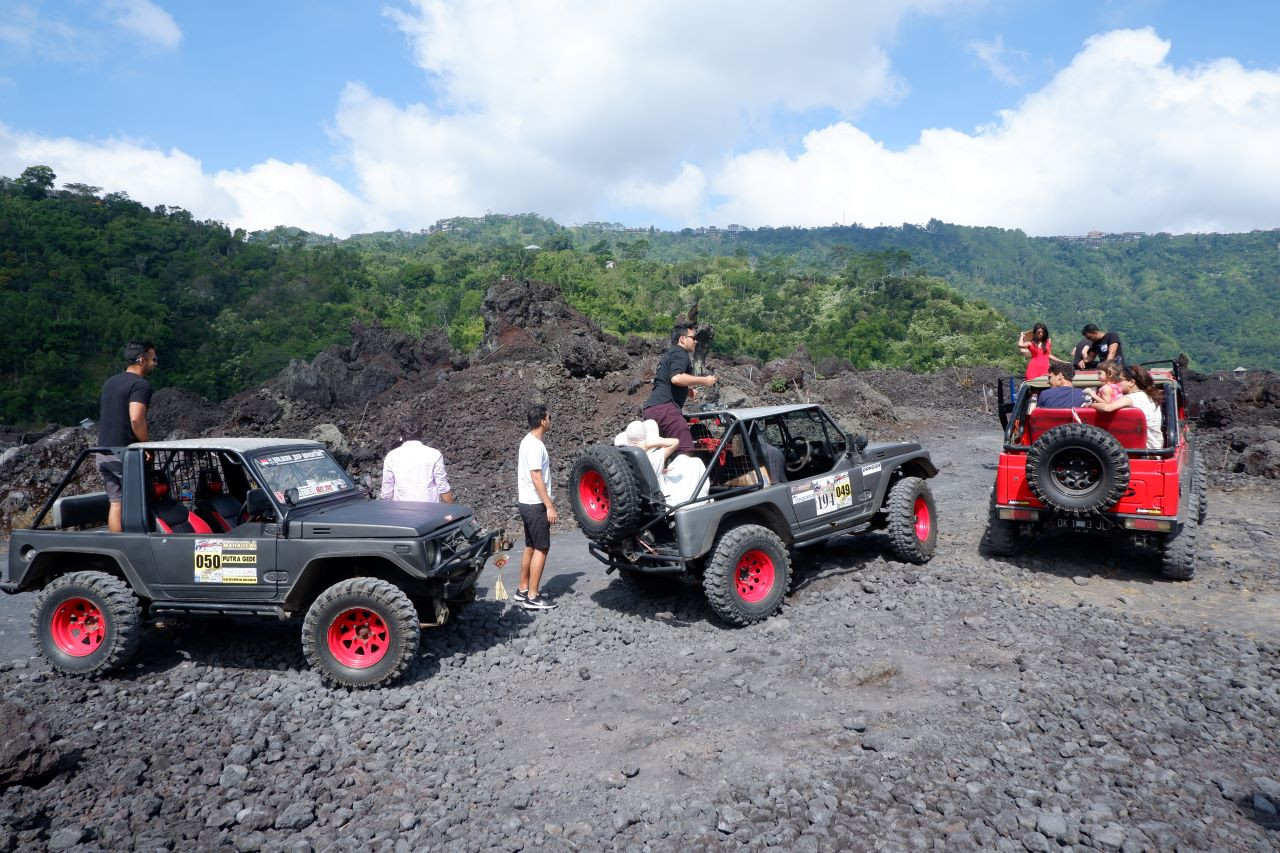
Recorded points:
(268, 527)
(775, 479)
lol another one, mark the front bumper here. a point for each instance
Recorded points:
(462, 560)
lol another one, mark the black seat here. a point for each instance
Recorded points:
(170, 514)
(215, 506)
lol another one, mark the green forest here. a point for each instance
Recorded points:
(83, 271)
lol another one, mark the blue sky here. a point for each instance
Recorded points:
(341, 117)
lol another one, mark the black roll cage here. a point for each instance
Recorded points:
(1006, 408)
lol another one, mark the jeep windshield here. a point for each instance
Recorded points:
(311, 471)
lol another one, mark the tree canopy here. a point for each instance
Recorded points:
(81, 273)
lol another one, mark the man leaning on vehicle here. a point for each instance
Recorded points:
(122, 419)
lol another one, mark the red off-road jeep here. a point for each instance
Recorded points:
(1083, 471)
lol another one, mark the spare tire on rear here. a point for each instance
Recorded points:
(1078, 468)
(604, 494)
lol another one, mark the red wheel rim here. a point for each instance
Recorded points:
(924, 523)
(754, 576)
(593, 494)
(358, 637)
(77, 627)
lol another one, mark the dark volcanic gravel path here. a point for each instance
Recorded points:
(1067, 699)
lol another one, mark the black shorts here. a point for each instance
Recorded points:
(537, 530)
(111, 467)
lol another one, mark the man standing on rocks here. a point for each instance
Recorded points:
(415, 472)
(533, 492)
(671, 385)
(122, 419)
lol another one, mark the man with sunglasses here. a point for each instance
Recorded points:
(671, 386)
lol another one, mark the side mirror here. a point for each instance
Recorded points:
(855, 443)
(258, 505)
(291, 496)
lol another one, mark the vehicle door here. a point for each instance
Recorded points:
(825, 488)
(233, 567)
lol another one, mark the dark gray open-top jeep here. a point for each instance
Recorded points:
(243, 527)
(776, 478)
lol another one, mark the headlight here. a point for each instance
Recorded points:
(430, 554)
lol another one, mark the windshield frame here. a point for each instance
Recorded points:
(264, 479)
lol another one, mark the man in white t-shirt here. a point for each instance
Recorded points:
(533, 493)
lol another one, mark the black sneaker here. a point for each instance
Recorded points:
(538, 603)
(520, 595)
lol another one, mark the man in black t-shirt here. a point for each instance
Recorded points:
(1106, 345)
(122, 419)
(1083, 357)
(671, 386)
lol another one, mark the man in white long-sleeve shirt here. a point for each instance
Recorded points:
(415, 472)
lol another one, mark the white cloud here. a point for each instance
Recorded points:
(670, 112)
(61, 35)
(996, 57)
(266, 195)
(559, 107)
(679, 199)
(1118, 140)
(146, 20)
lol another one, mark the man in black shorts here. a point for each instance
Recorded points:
(671, 386)
(122, 419)
(533, 495)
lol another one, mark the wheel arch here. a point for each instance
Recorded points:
(48, 566)
(917, 466)
(323, 572)
(766, 515)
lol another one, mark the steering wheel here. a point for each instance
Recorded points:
(798, 454)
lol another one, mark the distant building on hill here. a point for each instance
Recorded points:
(1099, 238)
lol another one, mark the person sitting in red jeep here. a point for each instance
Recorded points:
(1140, 392)
(1060, 394)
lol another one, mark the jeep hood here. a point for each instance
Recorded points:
(380, 519)
(896, 452)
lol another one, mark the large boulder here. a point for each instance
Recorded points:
(531, 321)
(1262, 460)
(177, 412)
(377, 360)
(29, 758)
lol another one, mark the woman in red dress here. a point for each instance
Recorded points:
(1037, 346)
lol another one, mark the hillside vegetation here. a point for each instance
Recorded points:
(81, 272)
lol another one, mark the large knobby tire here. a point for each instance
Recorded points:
(912, 520)
(1079, 469)
(747, 574)
(87, 623)
(604, 494)
(1001, 536)
(361, 632)
(1180, 552)
(1200, 488)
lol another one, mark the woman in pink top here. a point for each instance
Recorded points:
(1037, 346)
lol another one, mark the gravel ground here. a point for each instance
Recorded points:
(1065, 699)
